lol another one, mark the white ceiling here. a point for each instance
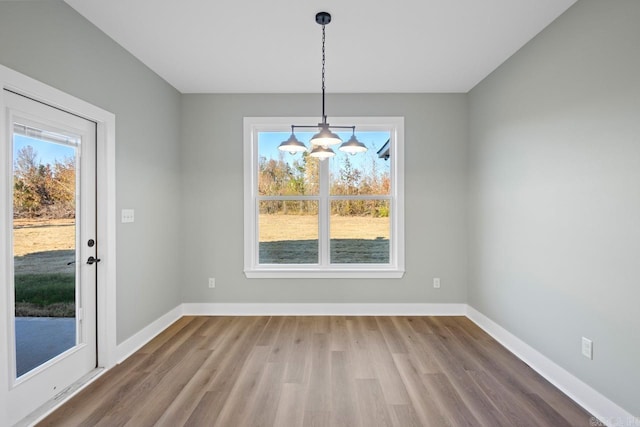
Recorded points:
(258, 46)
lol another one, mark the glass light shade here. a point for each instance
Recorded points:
(325, 137)
(292, 145)
(353, 146)
(322, 153)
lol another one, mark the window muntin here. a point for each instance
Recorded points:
(341, 217)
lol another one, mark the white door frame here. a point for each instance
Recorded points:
(106, 227)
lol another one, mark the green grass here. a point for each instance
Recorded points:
(58, 309)
(45, 289)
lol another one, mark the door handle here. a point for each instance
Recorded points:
(92, 260)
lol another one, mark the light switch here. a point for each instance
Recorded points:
(587, 348)
(128, 215)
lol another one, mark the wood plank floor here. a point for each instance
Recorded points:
(321, 371)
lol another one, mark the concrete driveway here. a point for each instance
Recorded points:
(39, 339)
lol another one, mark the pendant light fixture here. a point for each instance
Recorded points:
(322, 141)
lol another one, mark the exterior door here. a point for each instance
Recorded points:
(53, 249)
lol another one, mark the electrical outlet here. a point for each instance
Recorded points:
(212, 282)
(436, 282)
(587, 348)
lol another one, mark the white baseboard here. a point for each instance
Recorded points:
(319, 309)
(591, 400)
(134, 343)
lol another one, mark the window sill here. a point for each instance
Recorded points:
(323, 274)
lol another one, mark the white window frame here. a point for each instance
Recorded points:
(252, 269)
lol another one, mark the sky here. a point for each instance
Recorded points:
(47, 152)
(268, 143)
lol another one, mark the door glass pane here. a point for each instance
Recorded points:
(288, 232)
(44, 245)
(359, 231)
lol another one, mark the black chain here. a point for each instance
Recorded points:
(324, 117)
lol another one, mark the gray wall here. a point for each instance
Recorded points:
(555, 195)
(49, 41)
(435, 198)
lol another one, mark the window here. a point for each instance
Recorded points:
(339, 217)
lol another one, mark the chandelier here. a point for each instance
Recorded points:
(322, 141)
